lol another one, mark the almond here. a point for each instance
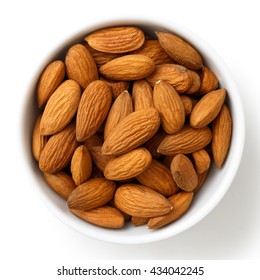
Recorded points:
(187, 140)
(59, 149)
(222, 130)
(176, 75)
(187, 103)
(128, 165)
(184, 173)
(121, 107)
(81, 165)
(50, 79)
(104, 216)
(61, 183)
(81, 66)
(180, 50)
(170, 107)
(153, 49)
(91, 194)
(99, 159)
(180, 203)
(195, 82)
(131, 132)
(201, 160)
(117, 87)
(93, 109)
(138, 221)
(152, 144)
(137, 200)
(119, 39)
(201, 179)
(94, 140)
(208, 107)
(209, 81)
(60, 108)
(38, 140)
(128, 67)
(142, 95)
(158, 177)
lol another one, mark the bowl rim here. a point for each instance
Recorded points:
(240, 118)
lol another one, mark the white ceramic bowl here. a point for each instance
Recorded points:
(217, 182)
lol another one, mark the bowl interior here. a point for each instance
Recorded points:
(217, 182)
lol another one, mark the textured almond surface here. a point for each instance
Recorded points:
(158, 177)
(60, 108)
(201, 160)
(91, 194)
(138, 221)
(128, 67)
(187, 103)
(131, 132)
(93, 109)
(209, 81)
(117, 87)
(142, 95)
(137, 200)
(128, 165)
(195, 82)
(180, 50)
(120, 39)
(81, 66)
(170, 107)
(222, 130)
(99, 159)
(152, 144)
(38, 140)
(187, 140)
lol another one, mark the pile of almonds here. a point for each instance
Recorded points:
(129, 126)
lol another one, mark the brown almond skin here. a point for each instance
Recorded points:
(81, 66)
(138, 221)
(93, 109)
(38, 140)
(170, 107)
(104, 216)
(50, 79)
(60, 108)
(180, 203)
(201, 179)
(138, 200)
(131, 132)
(142, 95)
(128, 165)
(187, 103)
(121, 107)
(152, 144)
(184, 173)
(186, 141)
(81, 165)
(59, 149)
(117, 87)
(95, 140)
(222, 130)
(174, 74)
(195, 83)
(158, 177)
(128, 67)
(207, 108)
(91, 194)
(201, 160)
(61, 183)
(119, 39)
(180, 50)
(209, 81)
(99, 159)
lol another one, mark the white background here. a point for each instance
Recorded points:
(29, 234)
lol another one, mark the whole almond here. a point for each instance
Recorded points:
(174, 74)
(170, 107)
(186, 141)
(59, 149)
(180, 203)
(119, 39)
(142, 95)
(187, 103)
(180, 50)
(128, 165)
(128, 67)
(60, 108)
(117, 87)
(104, 216)
(50, 79)
(201, 160)
(99, 159)
(93, 109)
(208, 107)
(158, 177)
(153, 49)
(121, 107)
(152, 144)
(81, 66)
(131, 132)
(138, 221)
(138, 200)
(91, 194)
(222, 130)
(195, 82)
(81, 165)
(209, 81)
(61, 183)
(38, 140)
(183, 173)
